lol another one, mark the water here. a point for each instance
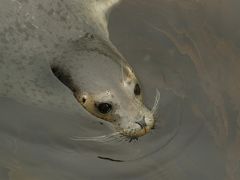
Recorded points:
(187, 49)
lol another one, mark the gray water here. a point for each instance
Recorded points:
(189, 50)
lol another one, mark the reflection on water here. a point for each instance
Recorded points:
(189, 50)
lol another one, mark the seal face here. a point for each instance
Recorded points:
(104, 84)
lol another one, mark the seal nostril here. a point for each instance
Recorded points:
(142, 123)
(139, 124)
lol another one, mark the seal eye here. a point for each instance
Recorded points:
(137, 90)
(104, 108)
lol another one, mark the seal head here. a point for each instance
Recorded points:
(104, 84)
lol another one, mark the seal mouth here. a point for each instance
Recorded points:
(136, 133)
(138, 128)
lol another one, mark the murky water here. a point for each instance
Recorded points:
(189, 50)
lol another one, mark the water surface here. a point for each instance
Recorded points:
(189, 50)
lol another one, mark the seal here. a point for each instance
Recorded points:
(52, 48)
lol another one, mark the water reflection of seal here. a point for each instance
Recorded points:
(70, 38)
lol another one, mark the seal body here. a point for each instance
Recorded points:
(58, 54)
(32, 33)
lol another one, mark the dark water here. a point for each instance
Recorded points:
(189, 50)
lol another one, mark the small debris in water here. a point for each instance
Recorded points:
(110, 159)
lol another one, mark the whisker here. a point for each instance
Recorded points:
(122, 72)
(114, 138)
(157, 124)
(157, 114)
(156, 127)
(156, 102)
(104, 138)
(117, 139)
(123, 139)
(156, 110)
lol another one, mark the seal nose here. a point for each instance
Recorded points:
(142, 123)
